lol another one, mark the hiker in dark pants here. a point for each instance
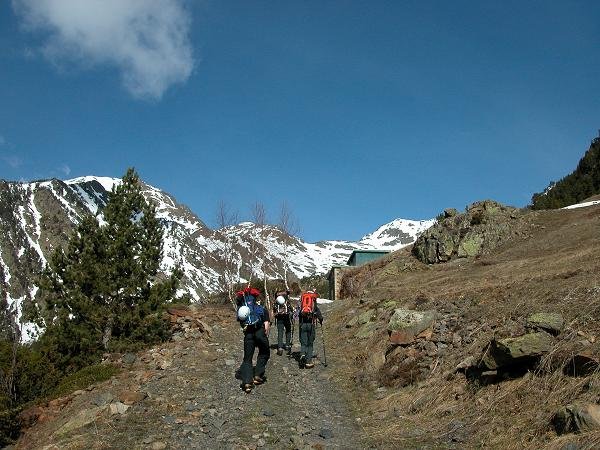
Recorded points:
(255, 324)
(308, 328)
(283, 313)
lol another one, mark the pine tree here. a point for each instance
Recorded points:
(103, 292)
(580, 184)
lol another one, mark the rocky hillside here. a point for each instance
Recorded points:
(37, 217)
(491, 348)
(496, 350)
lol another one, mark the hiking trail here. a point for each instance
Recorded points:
(184, 395)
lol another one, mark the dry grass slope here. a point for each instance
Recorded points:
(552, 265)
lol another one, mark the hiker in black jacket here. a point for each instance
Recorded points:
(255, 323)
(283, 316)
(307, 329)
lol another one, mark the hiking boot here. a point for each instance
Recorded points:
(309, 365)
(247, 388)
(302, 361)
(280, 351)
(258, 380)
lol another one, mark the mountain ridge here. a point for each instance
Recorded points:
(37, 217)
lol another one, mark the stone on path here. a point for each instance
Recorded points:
(131, 397)
(118, 408)
(326, 433)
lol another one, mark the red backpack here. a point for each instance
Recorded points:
(308, 301)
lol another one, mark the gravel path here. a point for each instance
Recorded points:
(194, 402)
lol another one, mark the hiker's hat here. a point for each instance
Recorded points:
(280, 299)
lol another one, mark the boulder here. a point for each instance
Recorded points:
(131, 397)
(406, 324)
(522, 349)
(118, 408)
(551, 322)
(128, 358)
(484, 226)
(577, 418)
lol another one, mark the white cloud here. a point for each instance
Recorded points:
(65, 169)
(147, 40)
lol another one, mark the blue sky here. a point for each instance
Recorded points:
(353, 112)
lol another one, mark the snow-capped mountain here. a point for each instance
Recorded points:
(37, 217)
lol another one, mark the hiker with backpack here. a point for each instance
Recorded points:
(255, 324)
(283, 317)
(308, 317)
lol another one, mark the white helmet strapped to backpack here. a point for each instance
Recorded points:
(243, 312)
(280, 300)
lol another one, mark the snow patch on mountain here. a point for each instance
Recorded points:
(396, 234)
(582, 205)
(188, 243)
(107, 183)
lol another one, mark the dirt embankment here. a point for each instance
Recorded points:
(432, 390)
(184, 395)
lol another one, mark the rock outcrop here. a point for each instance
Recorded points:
(483, 226)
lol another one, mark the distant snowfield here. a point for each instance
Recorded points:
(107, 182)
(582, 205)
(187, 242)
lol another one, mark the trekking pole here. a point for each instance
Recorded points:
(291, 316)
(323, 341)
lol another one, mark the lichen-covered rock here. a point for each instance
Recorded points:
(510, 351)
(406, 324)
(470, 245)
(366, 316)
(550, 322)
(483, 226)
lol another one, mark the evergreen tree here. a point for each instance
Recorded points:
(582, 183)
(103, 292)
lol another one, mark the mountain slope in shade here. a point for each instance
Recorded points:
(37, 217)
